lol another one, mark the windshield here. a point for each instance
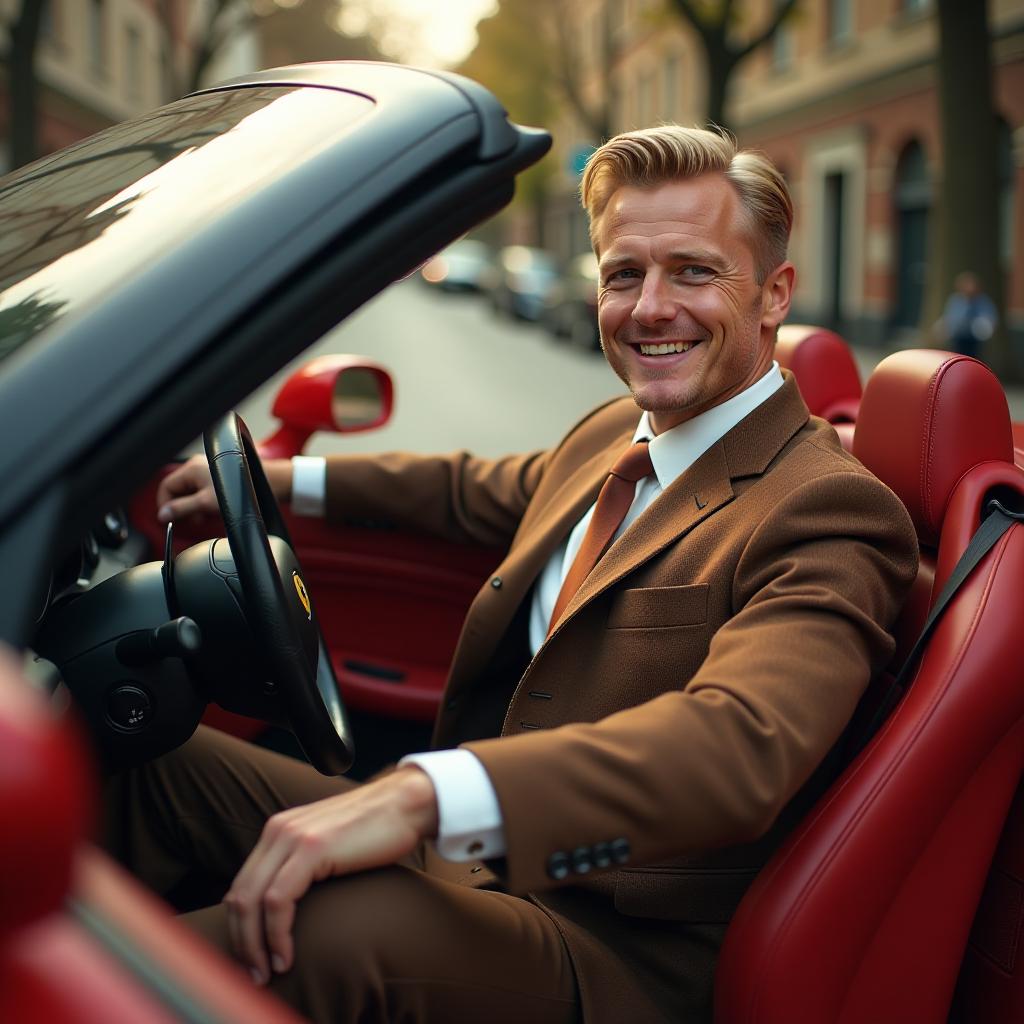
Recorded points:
(73, 225)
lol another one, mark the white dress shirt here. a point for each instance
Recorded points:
(469, 817)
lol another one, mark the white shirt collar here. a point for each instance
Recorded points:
(673, 452)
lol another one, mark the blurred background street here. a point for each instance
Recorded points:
(465, 378)
(899, 126)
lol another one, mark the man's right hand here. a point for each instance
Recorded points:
(188, 490)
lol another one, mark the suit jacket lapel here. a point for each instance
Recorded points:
(700, 491)
(530, 553)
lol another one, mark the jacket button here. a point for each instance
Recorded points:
(558, 866)
(496, 583)
(620, 850)
(602, 855)
(581, 860)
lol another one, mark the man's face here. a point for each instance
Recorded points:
(683, 320)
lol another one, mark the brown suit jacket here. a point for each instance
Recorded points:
(680, 718)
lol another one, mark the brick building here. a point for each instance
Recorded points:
(845, 100)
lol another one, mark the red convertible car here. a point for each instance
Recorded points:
(150, 278)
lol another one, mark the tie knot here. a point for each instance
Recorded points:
(634, 463)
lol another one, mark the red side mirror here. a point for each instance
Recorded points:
(340, 393)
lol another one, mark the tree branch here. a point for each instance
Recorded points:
(781, 13)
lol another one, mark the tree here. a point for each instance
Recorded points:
(715, 24)
(514, 59)
(22, 89)
(968, 211)
(306, 27)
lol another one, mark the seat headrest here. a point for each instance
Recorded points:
(824, 367)
(925, 419)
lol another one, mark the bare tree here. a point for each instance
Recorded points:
(23, 96)
(715, 24)
(968, 212)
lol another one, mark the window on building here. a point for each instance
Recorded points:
(133, 60)
(670, 85)
(913, 200)
(840, 22)
(782, 45)
(1006, 170)
(50, 23)
(96, 36)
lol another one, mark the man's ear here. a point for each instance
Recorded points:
(777, 293)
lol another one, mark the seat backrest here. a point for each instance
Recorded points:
(825, 370)
(864, 913)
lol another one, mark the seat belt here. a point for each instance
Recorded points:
(995, 524)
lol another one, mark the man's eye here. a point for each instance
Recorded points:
(695, 272)
(618, 276)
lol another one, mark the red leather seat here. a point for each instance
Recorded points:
(826, 373)
(863, 916)
(80, 941)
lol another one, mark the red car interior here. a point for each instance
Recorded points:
(825, 369)
(390, 605)
(869, 913)
(864, 915)
(80, 941)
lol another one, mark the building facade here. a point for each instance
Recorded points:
(845, 100)
(102, 61)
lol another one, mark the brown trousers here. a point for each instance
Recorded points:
(397, 944)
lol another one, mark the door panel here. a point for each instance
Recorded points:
(390, 604)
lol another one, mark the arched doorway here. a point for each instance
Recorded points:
(913, 204)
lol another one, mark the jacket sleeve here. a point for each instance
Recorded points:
(458, 497)
(712, 763)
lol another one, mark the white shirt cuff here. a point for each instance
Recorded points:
(470, 826)
(309, 485)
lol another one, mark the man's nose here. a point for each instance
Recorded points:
(655, 302)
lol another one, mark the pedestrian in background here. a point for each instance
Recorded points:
(970, 317)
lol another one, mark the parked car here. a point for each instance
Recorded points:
(520, 281)
(151, 278)
(462, 267)
(570, 308)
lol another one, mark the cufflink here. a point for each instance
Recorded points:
(558, 866)
(620, 850)
(582, 860)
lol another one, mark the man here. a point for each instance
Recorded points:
(686, 686)
(969, 317)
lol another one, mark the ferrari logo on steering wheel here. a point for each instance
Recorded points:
(300, 589)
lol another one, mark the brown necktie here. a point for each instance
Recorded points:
(612, 505)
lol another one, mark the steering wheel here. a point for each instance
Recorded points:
(278, 607)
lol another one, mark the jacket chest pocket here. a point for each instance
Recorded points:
(659, 607)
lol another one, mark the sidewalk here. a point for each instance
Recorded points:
(868, 357)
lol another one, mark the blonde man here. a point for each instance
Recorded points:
(641, 710)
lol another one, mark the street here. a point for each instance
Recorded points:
(463, 377)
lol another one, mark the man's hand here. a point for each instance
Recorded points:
(188, 490)
(369, 827)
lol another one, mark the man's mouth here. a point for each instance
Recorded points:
(665, 348)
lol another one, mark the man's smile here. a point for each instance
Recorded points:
(664, 348)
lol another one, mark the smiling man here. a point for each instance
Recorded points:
(646, 697)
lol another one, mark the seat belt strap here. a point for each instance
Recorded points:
(996, 523)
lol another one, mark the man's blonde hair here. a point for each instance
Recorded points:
(655, 156)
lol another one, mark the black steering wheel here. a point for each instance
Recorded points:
(278, 606)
